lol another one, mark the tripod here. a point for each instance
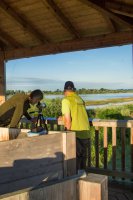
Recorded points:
(41, 122)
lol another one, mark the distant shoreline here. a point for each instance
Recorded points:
(82, 91)
(109, 101)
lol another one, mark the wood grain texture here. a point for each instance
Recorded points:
(29, 161)
(93, 187)
(58, 191)
(2, 79)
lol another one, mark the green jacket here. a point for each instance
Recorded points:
(13, 109)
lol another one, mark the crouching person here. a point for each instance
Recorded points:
(14, 108)
(76, 119)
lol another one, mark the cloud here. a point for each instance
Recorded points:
(29, 83)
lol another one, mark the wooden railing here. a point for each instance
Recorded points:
(113, 129)
(108, 129)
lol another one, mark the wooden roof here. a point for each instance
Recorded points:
(40, 27)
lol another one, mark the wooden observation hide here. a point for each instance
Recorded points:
(34, 28)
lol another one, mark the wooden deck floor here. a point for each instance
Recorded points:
(120, 191)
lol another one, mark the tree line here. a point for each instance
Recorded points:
(79, 91)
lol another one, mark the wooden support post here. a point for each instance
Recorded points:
(97, 146)
(105, 144)
(131, 143)
(114, 148)
(94, 187)
(69, 153)
(123, 132)
(2, 79)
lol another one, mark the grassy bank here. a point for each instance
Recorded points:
(107, 101)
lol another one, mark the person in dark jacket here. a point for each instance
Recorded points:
(14, 108)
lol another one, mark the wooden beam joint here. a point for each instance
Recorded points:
(54, 8)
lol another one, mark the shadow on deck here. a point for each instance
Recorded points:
(120, 191)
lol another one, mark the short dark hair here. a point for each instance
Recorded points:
(36, 93)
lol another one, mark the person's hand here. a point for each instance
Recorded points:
(60, 120)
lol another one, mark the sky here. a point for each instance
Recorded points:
(110, 68)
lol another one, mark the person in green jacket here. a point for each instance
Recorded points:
(14, 108)
(76, 119)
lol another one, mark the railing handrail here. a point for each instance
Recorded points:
(94, 122)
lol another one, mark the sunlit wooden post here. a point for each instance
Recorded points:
(2, 79)
(94, 187)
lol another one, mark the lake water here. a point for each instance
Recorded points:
(87, 97)
(94, 97)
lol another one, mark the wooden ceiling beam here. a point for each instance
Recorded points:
(60, 16)
(3, 45)
(112, 39)
(9, 40)
(120, 8)
(96, 4)
(22, 21)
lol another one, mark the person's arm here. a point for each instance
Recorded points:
(17, 115)
(26, 114)
(67, 121)
(66, 114)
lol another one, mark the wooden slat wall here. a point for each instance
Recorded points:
(64, 190)
(29, 161)
(79, 187)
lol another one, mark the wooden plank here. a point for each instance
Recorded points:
(69, 153)
(89, 153)
(93, 187)
(101, 8)
(64, 138)
(51, 172)
(42, 185)
(123, 9)
(105, 145)
(55, 190)
(22, 21)
(92, 42)
(123, 131)
(97, 146)
(9, 40)
(10, 133)
(113, 173)
(131, 143)
(60, 16)
(103, 123)
(27, 162)
(2, 78)
(24, 155)
(4, 134)
(97, 123)
(112, 123)
(3, 44)
(113, 148)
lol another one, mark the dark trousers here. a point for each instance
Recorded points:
(82, 153)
